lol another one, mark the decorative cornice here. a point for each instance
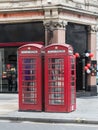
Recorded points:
(93, 28)
(51, 25)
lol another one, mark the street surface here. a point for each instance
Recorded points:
(11, 125)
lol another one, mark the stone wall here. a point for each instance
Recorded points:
(87, 6)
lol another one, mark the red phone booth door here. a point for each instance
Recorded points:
(30, 83)
(54, 85)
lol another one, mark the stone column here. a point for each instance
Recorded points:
(92, 46)
(55, 32)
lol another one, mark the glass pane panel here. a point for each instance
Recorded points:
(56, 80)
(29, 81)
(72, 82)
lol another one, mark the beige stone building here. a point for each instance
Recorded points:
(50, 21)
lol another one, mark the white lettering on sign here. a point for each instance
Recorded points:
(56, 51)
(29, 52)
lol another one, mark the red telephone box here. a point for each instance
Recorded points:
(60, 78)
(29, 77)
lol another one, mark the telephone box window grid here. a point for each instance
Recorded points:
(29, 80)
(56, 80)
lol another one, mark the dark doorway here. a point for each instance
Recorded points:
(77, 36)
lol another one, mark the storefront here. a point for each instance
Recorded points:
(12, 37)
(8, 69)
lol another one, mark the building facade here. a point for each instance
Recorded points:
(60, 21)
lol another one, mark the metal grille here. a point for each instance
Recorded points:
(29, 83)
(56, 81)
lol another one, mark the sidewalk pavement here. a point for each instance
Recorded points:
(86, 111)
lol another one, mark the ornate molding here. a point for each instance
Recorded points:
(51, 25)
(93, 28)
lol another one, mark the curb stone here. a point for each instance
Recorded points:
(76, 121)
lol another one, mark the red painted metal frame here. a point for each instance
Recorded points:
(30, 99)
(64, 53)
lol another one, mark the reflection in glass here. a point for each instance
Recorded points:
(56, 80)
(29, 90)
